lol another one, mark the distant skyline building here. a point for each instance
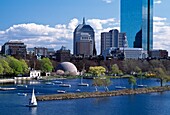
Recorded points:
(137, 16)
(14, 48)
(63, 54)
(84, 40)
(113, 39)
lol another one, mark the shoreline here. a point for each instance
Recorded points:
(7, 80)
(102, 94)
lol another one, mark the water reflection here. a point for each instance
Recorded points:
(33, 110)
(101, 100)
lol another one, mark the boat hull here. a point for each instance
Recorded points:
(31, 105)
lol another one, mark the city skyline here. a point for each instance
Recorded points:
(36, 22)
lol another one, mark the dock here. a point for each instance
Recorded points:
(7, 80)
(6, 89)
(102, 94)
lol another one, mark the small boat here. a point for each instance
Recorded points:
(57, 82)
(49, 83)
(61, 91)
(142, 85)
(120, 87)
(33, 100)
(22, 94)
(65, 85)
(78, 90)
(22, 86)
(83, 84)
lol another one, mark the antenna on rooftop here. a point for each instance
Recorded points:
(84, 21)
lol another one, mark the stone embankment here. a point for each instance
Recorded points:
(102, 94)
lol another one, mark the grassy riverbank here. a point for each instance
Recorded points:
(102, 94)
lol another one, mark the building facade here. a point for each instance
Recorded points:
(84, 40)
(41, 52)
(113, 39)
(128, 53)
(63, 54)
(137, 15)
(123, 40)
(14, 48)
(159, 54)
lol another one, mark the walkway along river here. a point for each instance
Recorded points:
(102, 94)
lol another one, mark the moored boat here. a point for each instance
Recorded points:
(57, 82)
(65, 85)
(120, 87)
(22, 94)
(61, 91)
(141, 85)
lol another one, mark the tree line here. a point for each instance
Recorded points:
(10, 66)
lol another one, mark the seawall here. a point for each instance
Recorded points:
(102, 94)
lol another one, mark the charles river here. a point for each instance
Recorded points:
(11, 103)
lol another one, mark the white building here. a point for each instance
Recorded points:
(129, 53)
(35, 73)
(134, 53)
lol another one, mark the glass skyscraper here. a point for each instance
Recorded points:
(137, 16)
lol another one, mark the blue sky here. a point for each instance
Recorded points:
(50, 23)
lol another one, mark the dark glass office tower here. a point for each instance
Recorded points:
(137, 15)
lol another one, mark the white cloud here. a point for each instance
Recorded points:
(157, 1)
(107, 1)
(161, 33)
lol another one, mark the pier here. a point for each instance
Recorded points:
(102, 94)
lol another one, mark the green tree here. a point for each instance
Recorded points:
(132, 81)
(106, 82)
(15, 65)
(46, 65)
(161, 75)
(97, 70)
(101, 81)
(97, 82)
(24, 66)
(1, 69)
(7, 69)
(115, 69)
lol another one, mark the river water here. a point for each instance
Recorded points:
(143, 104)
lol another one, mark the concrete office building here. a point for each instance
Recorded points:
(113, 39)
(14, 48)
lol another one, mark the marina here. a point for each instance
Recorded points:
(87, 96)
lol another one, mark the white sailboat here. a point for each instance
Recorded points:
(33, 100)
(83, 84)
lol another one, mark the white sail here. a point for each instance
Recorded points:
(33, 98)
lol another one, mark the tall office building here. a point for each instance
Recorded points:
(136, 17)
(109, 39)
(84, 40)
(113, 39)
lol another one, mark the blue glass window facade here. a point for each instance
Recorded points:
(134, 17)
(147, 25)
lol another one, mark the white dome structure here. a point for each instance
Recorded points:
(67, 67)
